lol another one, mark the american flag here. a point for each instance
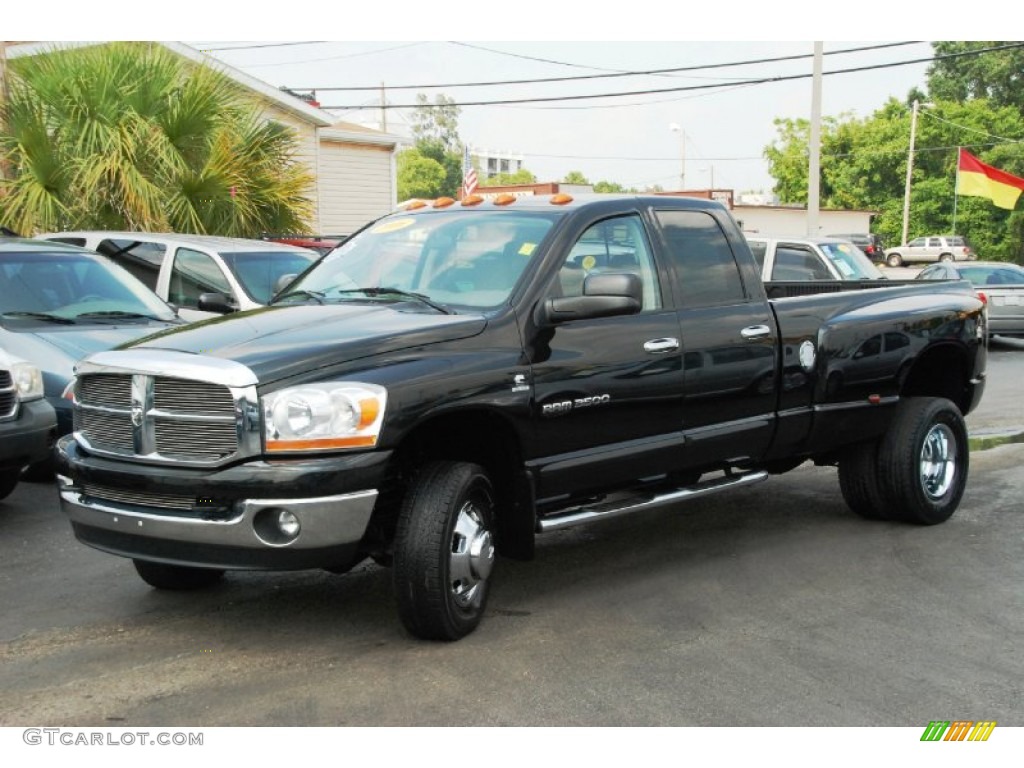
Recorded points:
(469, 181)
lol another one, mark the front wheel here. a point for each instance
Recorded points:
(923, 461)
(179, 578)
(946, 257)
(444, 550)
(894, 260)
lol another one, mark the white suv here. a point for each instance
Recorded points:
(929, 249)
(201, 275)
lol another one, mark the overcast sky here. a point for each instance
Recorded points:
(725, 124)
(721, 130)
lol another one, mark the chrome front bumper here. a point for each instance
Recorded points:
(326, 522)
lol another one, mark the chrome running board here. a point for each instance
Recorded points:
(641, 501)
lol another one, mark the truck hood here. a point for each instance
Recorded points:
(278, 342)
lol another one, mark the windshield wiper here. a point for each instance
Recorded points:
(117, 314)
(404, 294)
(318, 295)
(42, 316)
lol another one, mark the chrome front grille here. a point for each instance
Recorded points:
(155, 418)
(8, 396)
(140, 498)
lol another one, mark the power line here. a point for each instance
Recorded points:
(610, 74)
(678, 89)
(264, 45)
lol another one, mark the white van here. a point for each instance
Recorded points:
(203, 276)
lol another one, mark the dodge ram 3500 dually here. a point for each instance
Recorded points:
(461, 376)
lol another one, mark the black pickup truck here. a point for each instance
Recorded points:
(459, 377)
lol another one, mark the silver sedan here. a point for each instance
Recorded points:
(998, 283)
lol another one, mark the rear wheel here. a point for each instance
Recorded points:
(176, 577)
(923, 461)
(946, 257)
(894, 260)
(444, 550)
(860, 483)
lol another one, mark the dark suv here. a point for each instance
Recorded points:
(871, 245)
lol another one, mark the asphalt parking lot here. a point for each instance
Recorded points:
(772, 605)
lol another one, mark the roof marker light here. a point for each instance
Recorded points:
(415, 204)
(444, 202)
(505, 199)
(561, 199)
(472, 200)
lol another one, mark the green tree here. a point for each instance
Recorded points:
(575, 177)
(435, 129)
(131, 136)
(863, 165)
(437, 122)
(522, 176)
(610, 186)
(995, 76)
(418, 176)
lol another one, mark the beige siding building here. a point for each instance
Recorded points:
(353, 166)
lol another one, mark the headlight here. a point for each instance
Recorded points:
(315, 417)
(28, 380)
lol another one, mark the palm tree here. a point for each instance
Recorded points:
(131, 136)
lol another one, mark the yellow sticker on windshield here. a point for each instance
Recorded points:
(589, 262)
(527, 249)
(392, 226)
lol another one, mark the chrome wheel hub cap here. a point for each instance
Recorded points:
(471, 558)
(938, 461)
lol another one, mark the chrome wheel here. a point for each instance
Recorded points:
(471, 559)
(938, 461)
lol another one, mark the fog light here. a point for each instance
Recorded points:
(276, 527)
(288, 523)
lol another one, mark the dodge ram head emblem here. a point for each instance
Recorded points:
(136, 415)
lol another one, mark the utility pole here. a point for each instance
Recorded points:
(383, 109)
(910, 170)
(814, 147)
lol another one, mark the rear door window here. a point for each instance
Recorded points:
(141, 258)
(704, 265)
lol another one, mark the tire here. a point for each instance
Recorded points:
(444, 550)
(180, 578)
(894, 260)
(945, 257)
(860, 483)
(923, 461)
(8, 480)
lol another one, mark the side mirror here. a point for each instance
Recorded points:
(282, 282)
(605, 294)
(216, 302)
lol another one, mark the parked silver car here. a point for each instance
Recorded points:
(201, 275)
(998, 284)
(929, 249)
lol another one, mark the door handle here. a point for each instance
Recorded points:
(755, 332)
(661, 346)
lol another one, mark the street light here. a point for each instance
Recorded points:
(677, 128)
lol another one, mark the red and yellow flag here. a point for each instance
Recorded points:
(980, 180)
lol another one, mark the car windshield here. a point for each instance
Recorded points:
(449, 258)
(259, 272)
(72, 285)
(1007, 274)
(851, 261)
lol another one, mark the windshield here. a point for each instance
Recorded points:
(851, 261)
(458, 257)
(71, 285)
(1006, 274)
(259, 272)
